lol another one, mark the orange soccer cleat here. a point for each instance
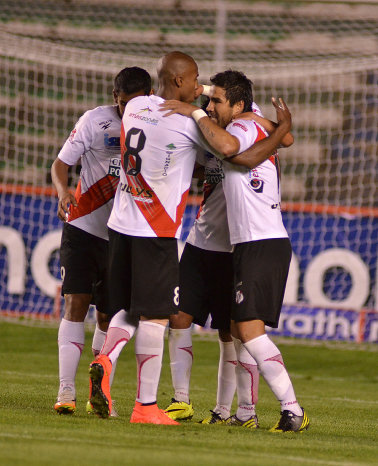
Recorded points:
(99, 388)
(150, 414)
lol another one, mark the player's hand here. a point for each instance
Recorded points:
(64, 203)
(175, 106)
(283, 114)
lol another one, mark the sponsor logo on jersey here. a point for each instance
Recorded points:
(213, 175)
(72, 135)
(114, 167)
(105, 124)
(148, 120)
(168, 159)
(112, 143)
(147, 109)
(140, 194)
(240, 125)
(257, 185)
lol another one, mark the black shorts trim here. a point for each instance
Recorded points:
(206, 284)
(260, 273)
(83, 265)
(143, 275)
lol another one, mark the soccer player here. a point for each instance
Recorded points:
(95, 142)
(262, 249)
(206, 282)
(146, 220)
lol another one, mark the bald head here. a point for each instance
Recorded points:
(177, 74)
(173, 64)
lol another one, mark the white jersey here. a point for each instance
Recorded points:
(210, 230)
(96, 141)
(253, 196)
(157, 167)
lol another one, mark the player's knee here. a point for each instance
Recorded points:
(180, 320)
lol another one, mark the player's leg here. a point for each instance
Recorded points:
(181, 359)
(192, 309)
(102, 324)
(121, 327)
(99, 336)
(218, 279)
(154, 299)
(258, 303)
(247, 380)
(71, 338)
(226, 379)
(79, 253)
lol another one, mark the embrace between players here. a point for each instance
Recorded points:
(235, 262)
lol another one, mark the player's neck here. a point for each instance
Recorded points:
(167, 93)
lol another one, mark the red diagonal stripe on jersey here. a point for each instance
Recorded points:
(151, 207)
(261, 135)
(97, 195)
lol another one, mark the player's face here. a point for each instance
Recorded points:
(121, 99)
(189, 88)
(219, 108)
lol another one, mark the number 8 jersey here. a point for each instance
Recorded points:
(158, 155)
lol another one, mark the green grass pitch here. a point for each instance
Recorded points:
(335, 382)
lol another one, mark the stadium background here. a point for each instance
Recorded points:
(58, 59)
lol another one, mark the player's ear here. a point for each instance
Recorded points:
(152, 91)
(239, 107)
(115, 95)
(178, 81)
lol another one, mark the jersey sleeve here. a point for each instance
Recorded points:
(246, 133)
(79, 141)
(256, 109)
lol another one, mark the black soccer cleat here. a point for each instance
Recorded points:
(289, 422)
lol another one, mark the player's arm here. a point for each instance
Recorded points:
(59, 175)
(218, 138)
(262, 149)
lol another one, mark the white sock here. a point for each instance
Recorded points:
(247, 376)
(98, 340)
(149, 346)
(181, 357)
(111, 376)
(272, 368)
(120, 331)
(70, 343)
(226, 378)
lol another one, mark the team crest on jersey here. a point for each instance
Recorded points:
(257, 185)
(114, 167)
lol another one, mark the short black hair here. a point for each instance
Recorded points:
(133, 79)
(237, 86)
